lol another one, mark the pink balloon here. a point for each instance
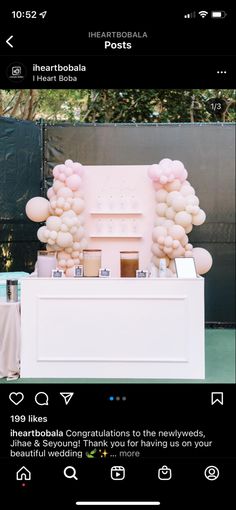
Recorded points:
(156, 250)
(165, 161)
(37, 209)
(199, 218)
(152, 171)
(70, 272)
(68, 171)
(50, 193)
(62, 177)
(158, 231)
(68, 162)
(163, 179)
(64, 192)
(157, 185)
(55, 172)
(161, 195)
(173, 186)
(78, 168)
(176, 231)
(78, 205)
(73, 182)
(64, 239)
(57, 185)
(203, 260)
(183, 218)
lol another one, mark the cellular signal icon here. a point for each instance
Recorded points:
(190, 15)
(203, 14)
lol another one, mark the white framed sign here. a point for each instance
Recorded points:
(104, 273)
(141, 273)
(79, 271)
(57, 273)
(185, 267)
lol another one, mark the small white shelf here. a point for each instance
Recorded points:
(115, 212)
(116, 235)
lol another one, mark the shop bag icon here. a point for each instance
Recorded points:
(164, 473)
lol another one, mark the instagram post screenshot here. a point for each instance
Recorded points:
(117, 257)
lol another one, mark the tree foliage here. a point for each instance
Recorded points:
(116, 105)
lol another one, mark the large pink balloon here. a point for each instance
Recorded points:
(37, 209)
(203, 260)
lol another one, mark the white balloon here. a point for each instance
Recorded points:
(64, 239)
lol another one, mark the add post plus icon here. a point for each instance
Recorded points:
(67, 396)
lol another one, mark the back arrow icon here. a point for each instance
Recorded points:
(8, 41)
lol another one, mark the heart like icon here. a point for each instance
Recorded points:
(16, 398)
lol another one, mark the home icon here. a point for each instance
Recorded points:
(23, 474)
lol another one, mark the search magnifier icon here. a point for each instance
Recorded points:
(70, 472)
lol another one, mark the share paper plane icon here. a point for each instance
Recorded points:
(67, 397)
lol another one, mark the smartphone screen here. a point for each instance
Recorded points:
(117, 284)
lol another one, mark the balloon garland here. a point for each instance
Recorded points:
(177, 211)
(64, 231)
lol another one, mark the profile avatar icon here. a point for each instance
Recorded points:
(211, 473)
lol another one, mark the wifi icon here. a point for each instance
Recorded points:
(203, 14)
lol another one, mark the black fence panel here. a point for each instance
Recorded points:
(20, 179)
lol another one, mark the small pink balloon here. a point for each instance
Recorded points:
(168, 241)
(64, 239)
(175, 185)
(184, 240)
(65, 192)
(163, 179)
(161, 208)
(183, 218)
(161, 240)
(78, 205)
(156, 250)
(58, 211)
(75, 254)
(178, 252)
(199, 218)
(70, 272)
(62, 263)
(167, 250)
(50, 193)
(161, 195)
(77, 168)
(68, 162)
(157, 185)
(73, 182)
(70, 263)
(57, 185)
(62, 177)
(176, 243)
(56, 172)
(152, 171)
(158, 231)
(176, 231)
(165, 161)
(68, 171)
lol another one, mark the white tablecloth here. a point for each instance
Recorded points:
(9, 339)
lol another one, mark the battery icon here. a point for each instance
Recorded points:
(218, 14)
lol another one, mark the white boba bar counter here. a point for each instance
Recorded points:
(121, 328)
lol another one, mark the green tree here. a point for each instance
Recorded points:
(119, 105)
